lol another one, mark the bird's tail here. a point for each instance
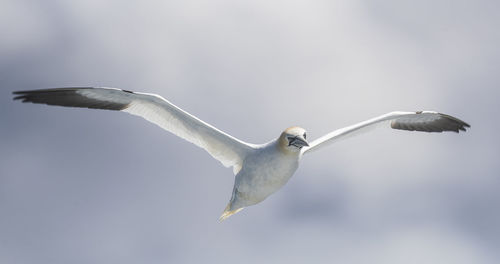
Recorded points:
(228, 212)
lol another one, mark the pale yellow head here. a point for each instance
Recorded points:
(293, 139)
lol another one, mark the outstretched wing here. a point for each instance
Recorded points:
(427, 121)
(225, 148)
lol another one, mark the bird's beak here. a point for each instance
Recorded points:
(299, 142)
(302, 142)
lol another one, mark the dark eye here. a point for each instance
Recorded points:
(304, 135)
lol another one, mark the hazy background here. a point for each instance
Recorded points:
(88, 186)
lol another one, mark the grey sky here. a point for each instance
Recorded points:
(83, 186)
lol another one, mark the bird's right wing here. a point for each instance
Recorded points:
(427, 121)
(229, 150)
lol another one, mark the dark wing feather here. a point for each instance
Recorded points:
(429, 122)
(68, 97)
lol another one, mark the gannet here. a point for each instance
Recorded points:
(260, 169)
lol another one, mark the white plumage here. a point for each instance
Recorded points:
(261, 169)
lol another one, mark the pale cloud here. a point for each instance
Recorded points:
(81, 186)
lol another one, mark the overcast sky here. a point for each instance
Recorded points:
(90, 186)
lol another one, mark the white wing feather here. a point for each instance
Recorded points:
(223, 147)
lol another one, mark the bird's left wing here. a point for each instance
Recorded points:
(229, 150)
(427, 121)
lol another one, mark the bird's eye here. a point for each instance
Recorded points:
(304, 135)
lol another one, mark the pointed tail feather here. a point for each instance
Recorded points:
(228, 212)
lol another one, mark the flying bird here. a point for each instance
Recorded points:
(260, 169)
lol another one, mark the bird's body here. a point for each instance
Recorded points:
(264, 171)
(260, 170)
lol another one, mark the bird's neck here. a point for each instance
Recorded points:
(282, 147)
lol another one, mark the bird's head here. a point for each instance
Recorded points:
(293, 139)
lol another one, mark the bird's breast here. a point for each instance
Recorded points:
(264, 173)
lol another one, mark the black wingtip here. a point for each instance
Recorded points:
(443, 123)
(23, 91)
(69, 97)
(18, 97)
(461, 124)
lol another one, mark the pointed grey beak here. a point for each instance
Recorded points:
(298, 142)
